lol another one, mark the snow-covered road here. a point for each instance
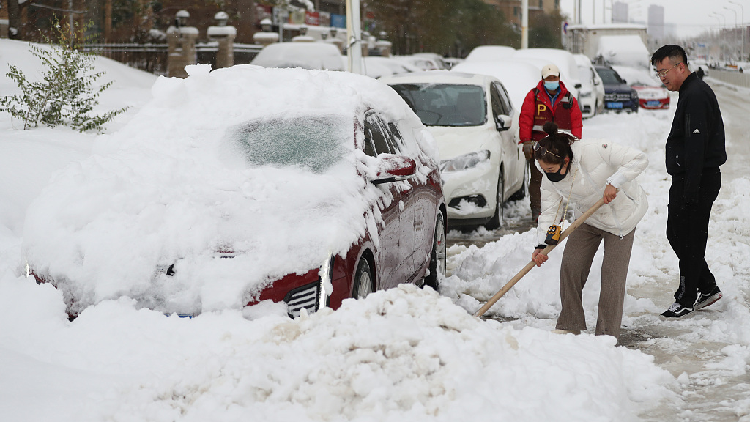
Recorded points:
(708, 351)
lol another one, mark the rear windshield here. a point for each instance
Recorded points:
(314, 142)
(444, 104)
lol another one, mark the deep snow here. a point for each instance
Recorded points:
(403, 354)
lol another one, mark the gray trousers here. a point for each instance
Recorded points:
(579, 253)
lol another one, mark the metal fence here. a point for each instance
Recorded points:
(731, 77)
(149, 57)
(153, 58)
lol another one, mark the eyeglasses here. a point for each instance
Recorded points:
(662, 73)
(543, 151)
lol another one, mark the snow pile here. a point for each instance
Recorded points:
(401, 354)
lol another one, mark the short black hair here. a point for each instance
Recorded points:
(675, 53)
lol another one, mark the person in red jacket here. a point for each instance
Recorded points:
(549, 101)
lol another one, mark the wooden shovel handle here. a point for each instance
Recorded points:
(531, 264)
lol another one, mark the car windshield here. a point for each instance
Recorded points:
(609, 77)
(314, 142)
(444, 104)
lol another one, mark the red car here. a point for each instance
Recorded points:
(652, 97)
(242, 185)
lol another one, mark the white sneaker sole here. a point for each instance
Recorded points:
(711, 300)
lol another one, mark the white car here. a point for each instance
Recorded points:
(485, 53)
(591, 99)
(305, 55)
(472, 119)
(564, 60)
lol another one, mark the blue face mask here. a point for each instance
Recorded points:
(551, 85)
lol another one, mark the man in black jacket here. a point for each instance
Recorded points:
(695, 150)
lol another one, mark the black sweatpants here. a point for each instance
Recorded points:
(687, 232)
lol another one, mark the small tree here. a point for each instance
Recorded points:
(67, 94)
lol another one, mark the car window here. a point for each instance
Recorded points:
(377, 137)
(315, 142)
(445, 104)
(500, 96)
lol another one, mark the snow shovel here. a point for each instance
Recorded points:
(531, 264)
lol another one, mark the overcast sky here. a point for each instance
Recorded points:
(690, 17)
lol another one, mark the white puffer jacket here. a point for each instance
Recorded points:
(595, 164)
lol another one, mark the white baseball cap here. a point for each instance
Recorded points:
(550, 69)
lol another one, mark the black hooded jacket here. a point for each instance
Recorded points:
(696, 142)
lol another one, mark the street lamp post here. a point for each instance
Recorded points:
(742, 29)
(734, 38)
(721, 32)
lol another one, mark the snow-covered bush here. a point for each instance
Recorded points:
(67, 91)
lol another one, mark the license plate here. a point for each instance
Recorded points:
(653, 103)
(613, 105)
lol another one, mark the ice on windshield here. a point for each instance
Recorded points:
(314, 142)
(445, 105)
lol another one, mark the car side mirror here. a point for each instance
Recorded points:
(503, 123)
(578, 86)
(394, 168)
(624, 82)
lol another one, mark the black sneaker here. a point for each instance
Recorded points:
(676, 310)
(707, 299)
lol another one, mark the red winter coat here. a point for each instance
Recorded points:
(537, 110)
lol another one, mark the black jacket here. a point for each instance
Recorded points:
(696, 142)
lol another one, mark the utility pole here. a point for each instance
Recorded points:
(353, 36)
(524, 24)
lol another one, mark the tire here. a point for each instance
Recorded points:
(497, 220)
(438, 255)
(363, 281)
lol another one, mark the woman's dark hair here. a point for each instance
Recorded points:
(555, 146)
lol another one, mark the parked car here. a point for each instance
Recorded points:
(306, 55)
(484, 53)
(472, 119)
(652, 94)
(518, 77)
(564, 61)
(421, 62)
(243, 185)
(378, 66)
(618, 95)
(591, 99)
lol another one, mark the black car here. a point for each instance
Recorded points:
(618, 95)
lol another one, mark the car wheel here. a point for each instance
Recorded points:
(438, 255)
(363, 280)
(497, 219)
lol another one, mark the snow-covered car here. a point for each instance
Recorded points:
(651, 92)
(484, 53)
(519, 76)
(420, 62)
(472, 119)
(306, 55)
(378, 66)
(244, 185)
(591, 98)
(564, 60)
(618, 95)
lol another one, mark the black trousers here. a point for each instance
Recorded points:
(687, 232)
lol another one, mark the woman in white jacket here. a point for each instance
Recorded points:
(578, 174)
